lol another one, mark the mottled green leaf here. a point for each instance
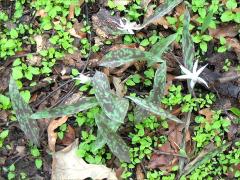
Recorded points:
(187, 43)
(159, 48)
(81, 105)
(159, 84)
(149, 106)
(207, 21)
(114, 107)
(155, 94)
(113, 125)
(126, 55)
(23, 113)
(114, 141)
(162, 10)
(204, 156)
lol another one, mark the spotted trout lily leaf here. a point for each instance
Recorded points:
(193, 76)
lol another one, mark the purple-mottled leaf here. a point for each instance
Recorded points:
(113, 106)
(160, 47)
(113, 140)
(23, 113)
(162, 10)
(126, 55)
(113, 125)
(204, 156)
(159, 84)
(149, 106)
(81, 105)
(187, 43)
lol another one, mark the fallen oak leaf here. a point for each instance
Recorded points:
(207, 113)
(67, 165)
(52, 135)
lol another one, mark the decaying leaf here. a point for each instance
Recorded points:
(227, 30)
(126, 55)
(207, 112)
(52, 135)
(67, 165)
(81, 105)
(119, 86)
(149, 106)
(162, 10)
(23, 113)
(114, 141)
(114, 107)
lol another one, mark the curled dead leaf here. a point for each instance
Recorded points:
(52, 135)
(229, 30)
(67, 165)
(207, 112)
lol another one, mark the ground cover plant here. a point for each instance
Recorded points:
(121, 89)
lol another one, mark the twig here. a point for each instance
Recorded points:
(169, 154)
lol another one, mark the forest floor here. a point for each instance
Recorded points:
(120, 89)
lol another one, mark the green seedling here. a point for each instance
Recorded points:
(5, 102)
(11, 172)
(223, 45)
(3, 135)
(227, 64)
(37, 156)
(210, 130)
(202, 40)
(61, 131)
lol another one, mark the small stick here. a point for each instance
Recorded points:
(169, 154)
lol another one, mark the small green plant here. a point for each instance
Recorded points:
(3, 135)
(227, 64)
(229, 14)
(61, 131)
(149, 74)
(37, 156)
(11, 172)
(133, 80)
(223, 45)
(187, 102)
(5, 102)
(86, 151)
(202, 40)
(210, 130)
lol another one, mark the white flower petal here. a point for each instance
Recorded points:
(185, 70)
(201, 80)
(195, 67)
(183, 77)
(201, 70)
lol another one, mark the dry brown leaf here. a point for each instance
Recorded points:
(235, 44)
(170, 79)
(67, 165)
(71, 11)
(139, 173)
(229, 30)
(41, 13)
(207, 112)
(52, 136)
(121, 2)
(119, 86)
(145, 3)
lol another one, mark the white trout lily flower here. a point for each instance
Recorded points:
(193, 76)
(83, 79)
(125, 25)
